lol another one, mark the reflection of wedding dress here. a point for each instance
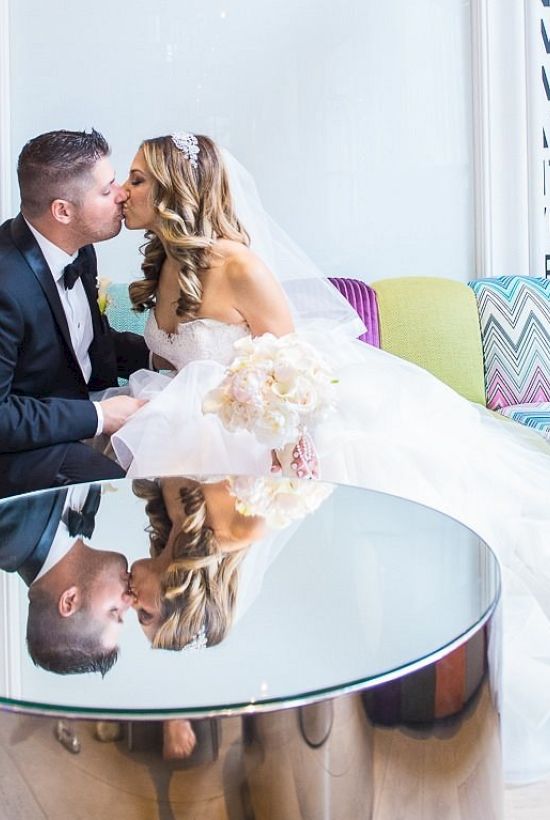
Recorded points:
(399, 430)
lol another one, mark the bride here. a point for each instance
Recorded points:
(211, 543)
(208, 282)
(185, 594)
(207, 289)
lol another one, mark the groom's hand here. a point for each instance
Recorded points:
(118, 410)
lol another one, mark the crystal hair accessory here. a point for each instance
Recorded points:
(188, 144)
(198, 641)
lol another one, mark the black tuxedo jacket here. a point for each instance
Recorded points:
(27, 528)
(44, 401)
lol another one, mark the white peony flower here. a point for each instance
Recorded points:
(274, 388)
(279, 500)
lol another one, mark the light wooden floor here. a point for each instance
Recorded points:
(520, 803)
(40, 779)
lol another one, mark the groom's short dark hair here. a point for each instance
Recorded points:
(55, 166)
(66, 646)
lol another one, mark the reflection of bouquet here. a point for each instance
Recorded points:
(279, 500)
(274, 388)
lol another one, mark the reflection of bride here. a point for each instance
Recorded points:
(211, 543)
(396, 429)
(185, 594)
(197, 581)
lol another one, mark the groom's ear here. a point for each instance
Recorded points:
(62, 210)
(70, 601)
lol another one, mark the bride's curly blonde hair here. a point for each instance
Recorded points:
(199, 588)
(194, 208)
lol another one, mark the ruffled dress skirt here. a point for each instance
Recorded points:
(399, 430)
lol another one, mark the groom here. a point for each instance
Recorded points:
(55, 346)
(78, 596)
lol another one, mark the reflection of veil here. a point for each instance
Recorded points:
(283, 519)
(285, 507)
(311, 296)
(260, 556)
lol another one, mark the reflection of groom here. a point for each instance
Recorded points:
(55, 346)
(77, 595)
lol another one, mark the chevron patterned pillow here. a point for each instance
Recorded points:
(514, 314)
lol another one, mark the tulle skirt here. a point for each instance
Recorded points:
(398, 429)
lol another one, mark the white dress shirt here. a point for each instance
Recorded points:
(62, 541)
(76, 307)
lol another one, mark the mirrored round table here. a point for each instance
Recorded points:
(305, 613)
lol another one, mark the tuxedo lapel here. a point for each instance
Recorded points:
(89, 281)
(27, 528)
(98, 350)
(30, 568)
(101, 350)
(25, 242)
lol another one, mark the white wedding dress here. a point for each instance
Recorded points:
(399, 430)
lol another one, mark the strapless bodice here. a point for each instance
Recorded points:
(198, 339)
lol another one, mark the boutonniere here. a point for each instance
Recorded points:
(103, 299)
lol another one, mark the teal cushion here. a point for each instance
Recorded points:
(119, 310)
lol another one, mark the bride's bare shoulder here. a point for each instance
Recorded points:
(239, 262)
(254, 291)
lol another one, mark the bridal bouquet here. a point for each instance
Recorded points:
(279, 500)
(274, 388)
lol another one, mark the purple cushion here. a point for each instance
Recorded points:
(363, 299)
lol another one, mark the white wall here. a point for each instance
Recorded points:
(355, 117)
(537, 21)
(502, 92)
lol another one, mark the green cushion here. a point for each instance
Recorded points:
(434, 323)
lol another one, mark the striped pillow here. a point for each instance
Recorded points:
(535, 416)
(514, 314)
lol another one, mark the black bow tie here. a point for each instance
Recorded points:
(73, 271)
(83, 522)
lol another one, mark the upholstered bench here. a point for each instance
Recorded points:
(489, 339)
